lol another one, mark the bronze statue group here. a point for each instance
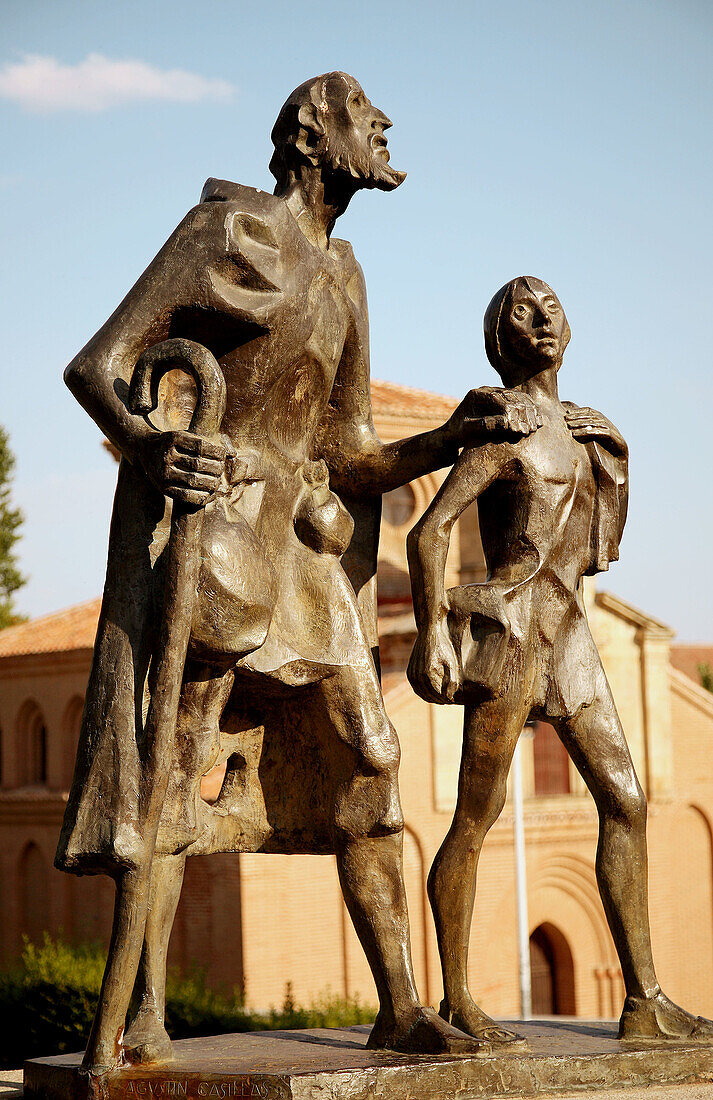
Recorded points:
(238, 621)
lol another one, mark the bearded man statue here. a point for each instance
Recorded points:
(281, 680)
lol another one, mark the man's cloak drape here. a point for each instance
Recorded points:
(216, 281)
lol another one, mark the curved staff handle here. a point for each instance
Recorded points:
(133, 885)
(194, 359)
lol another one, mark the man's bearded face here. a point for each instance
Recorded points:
(355, 138)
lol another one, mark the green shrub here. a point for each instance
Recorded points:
(47, 1003)
(329, 1010)
(193, 1008)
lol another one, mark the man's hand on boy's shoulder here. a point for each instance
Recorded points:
(491, 415)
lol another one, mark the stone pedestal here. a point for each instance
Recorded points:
(564, 1057)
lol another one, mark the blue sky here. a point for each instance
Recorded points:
(571, 141)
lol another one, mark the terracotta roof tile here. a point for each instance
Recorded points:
(73, 628)
(687, 658)
(390, 399)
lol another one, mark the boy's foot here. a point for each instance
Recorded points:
(657, 1017)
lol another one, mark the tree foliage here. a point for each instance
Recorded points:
(10, 521)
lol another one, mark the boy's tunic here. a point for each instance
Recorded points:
(532, 632)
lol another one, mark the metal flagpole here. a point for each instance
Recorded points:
(523, 925)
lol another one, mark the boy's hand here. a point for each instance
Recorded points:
(491, 415)
(434, 670)
(588, 425)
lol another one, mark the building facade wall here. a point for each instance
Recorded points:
(260, 922)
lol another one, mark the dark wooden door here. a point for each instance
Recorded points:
(542, 973)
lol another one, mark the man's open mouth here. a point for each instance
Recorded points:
(378, 146)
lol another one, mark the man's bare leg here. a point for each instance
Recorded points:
(146, 1039)
(596, 742)
(369, 850)
(490, 735)
(204, 695)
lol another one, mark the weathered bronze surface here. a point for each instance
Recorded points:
(562, 1056)
(232, 629)
(552, 507)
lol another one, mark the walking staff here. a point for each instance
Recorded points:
(182, 563)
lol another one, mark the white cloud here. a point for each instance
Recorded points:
(44, 84)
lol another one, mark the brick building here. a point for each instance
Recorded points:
(261, 921)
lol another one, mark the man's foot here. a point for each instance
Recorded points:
(473, 1021)
(147, 1040)
(422, 1031)
(657, 1017)
(101, 1058)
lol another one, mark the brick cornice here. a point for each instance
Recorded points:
(18, 808)
(43, 664)
(651, 628)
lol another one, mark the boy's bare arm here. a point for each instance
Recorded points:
(433, 669)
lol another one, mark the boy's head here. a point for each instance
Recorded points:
(525, 329)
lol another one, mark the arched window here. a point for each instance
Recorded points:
(33, 893)
(398, 506)
(552, 973)
(37, 757)
(551, 762)
(71, 724)
(31, 746)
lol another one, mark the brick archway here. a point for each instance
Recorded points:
(564, 895)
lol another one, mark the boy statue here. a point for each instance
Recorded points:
(551, 507)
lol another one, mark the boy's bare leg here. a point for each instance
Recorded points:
(490, 734)
(596, 742)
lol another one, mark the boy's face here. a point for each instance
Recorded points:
(534, 325)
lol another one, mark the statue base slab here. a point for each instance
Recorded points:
(565, 1055)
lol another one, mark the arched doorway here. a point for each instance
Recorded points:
(552, 973)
